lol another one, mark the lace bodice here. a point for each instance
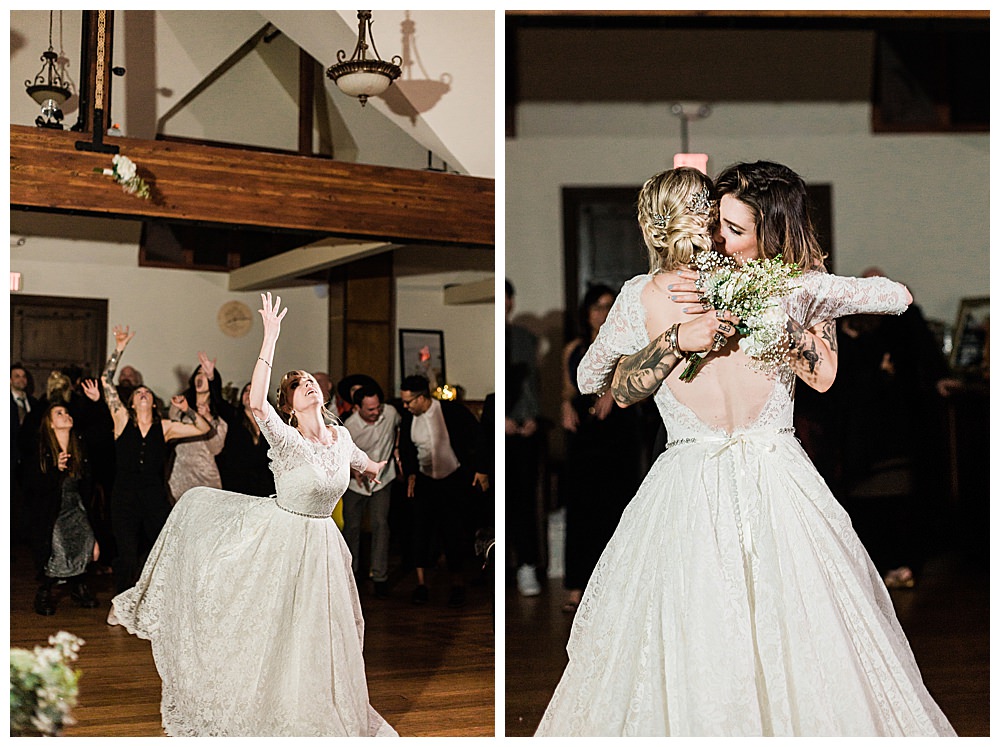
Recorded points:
(727, 387)
(309, 477)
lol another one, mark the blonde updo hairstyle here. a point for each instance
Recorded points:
(672, 243)
(286, 390)
(58, 388)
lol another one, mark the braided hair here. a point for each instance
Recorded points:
(671, 230)
(780, 204)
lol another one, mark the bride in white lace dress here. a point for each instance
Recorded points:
(249, 602)
(734, 599)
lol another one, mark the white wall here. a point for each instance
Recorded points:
(173, 312)
(915, 205)
(469, 349)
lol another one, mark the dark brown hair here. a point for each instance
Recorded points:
(780, 204)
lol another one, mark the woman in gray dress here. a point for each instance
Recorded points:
(64, 541)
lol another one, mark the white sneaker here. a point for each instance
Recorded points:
(112, 617)
(527, 581)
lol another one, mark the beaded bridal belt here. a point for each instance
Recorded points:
(299, 513)
(736, 439)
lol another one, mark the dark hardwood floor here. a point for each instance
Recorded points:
(430, 668)
(945, 617)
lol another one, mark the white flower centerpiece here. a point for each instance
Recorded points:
(124, 171)
(43, 686)
(751, 292)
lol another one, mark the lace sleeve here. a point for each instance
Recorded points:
(359, 459)
(622, 334)
(275, 430)
(821, 297)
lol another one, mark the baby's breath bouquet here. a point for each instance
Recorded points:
(123, 169)
(750, 291)
(43, 687)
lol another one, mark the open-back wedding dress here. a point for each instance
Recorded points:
(735, 599)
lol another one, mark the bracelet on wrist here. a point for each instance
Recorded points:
(675, 347)
(264, 362)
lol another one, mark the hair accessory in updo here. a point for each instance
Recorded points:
(700, 202)
(660, 221)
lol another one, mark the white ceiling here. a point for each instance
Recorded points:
(194, 74)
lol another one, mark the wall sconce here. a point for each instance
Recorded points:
(48, 88)
(359, 76)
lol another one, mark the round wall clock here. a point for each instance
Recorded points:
(235, 318)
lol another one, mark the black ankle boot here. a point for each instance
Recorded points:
(43, 600)
(83, 596)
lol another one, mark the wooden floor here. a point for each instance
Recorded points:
(430, 669)
(945, 617)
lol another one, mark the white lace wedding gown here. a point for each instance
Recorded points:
(735, 599)
(251, 606)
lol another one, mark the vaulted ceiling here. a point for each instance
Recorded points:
(233, 77)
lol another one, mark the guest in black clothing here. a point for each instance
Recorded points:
(436, 448)
(22, 404)
(244, 463)
(139, 504)
(597, 432)
(59, 480)
(522, 445)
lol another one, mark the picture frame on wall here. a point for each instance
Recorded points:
(421, 351)
(971, 339)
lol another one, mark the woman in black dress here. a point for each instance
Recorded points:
(597, 432)
(139, 504)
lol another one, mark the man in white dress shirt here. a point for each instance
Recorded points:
(374, 426)
(437, 441)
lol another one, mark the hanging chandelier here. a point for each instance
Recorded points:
(48, 88)
(359, 76)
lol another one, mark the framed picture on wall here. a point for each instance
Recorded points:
(971, 339)
(421, 351)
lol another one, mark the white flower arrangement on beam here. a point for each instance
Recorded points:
(124, 172)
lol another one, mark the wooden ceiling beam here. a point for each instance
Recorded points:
(226, 186)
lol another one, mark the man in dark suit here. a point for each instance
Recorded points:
(436, 448)
(22, 405)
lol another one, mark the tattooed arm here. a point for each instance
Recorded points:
(813, 353)
(639, 375)
(119, 413)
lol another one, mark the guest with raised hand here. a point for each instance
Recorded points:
(734, 599)
(139, 504)
(226, 558)
(63, 539)
(194, 458)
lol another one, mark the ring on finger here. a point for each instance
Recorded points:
(706, 304)
(720, 314)
(725, 329)
(719, 341)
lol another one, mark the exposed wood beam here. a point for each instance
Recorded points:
(277, 271)
(226, 186)
(480, 291)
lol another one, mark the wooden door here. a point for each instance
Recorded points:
(48, 333)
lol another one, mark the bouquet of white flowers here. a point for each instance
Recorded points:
(43, 687)
(750, 291)
(124, 172)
